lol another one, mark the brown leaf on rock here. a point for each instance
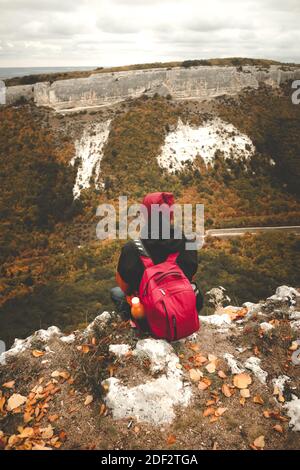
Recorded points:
(222, 374)
(278, 428)
(10, 384)
(53, 418)
(220, 411)
(209, 411)
(195, 375)
(88, 400)
(226, 390)
(47, 433)
(242, 380)
(245, 393)
(204, 383)
(211, 367)
(259, 442)
(15, 401)
(213, 419)
(171, 439)
(199, 360)
(258, 399)
(37, 353)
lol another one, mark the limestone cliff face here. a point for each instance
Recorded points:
(103, 89)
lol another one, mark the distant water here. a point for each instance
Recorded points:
(7, 72)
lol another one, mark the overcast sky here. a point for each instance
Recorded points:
(118, 32)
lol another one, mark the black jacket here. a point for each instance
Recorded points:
(131, 268)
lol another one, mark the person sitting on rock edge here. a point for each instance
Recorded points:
(130, 268)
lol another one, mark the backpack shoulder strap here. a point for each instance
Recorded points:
(143, 253)
(172, 257)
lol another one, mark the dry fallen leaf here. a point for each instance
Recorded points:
(85, 348)
(199, 360)
(15, 401)
(209, 411)
(226, 390)
(213, 419)
(40, 447)
(53, 418)
(242, 380)
(10, 384)
(294, 346)
(102, 409)
(47, 433)
(25, 433)
(278, 428)
(267, 414)
(88, 400)
(37, 353)
(195, 375)
(222, 374)
(243, 401)
(258, 399)
(194, 347)
(245, 393)
(259, 442)
(211, 367)
(212, 358)
(27, 417)
(171, 440)
(204, 383)
(220, 411)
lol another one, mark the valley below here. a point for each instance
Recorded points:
(238, 154)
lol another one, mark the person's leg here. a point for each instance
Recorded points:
(118, 297)
(199, 297)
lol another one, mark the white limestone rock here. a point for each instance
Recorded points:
(253, 364)
(88, 156)
(280, 381)
(293, 411)
(285, 294)
(39, 337)
(265, 327)
(159, 352)
(295, 325)
(119, 350)
(98, 324)
(253, 309)
(294, 315)
(216, 320)
(187, 142)
(154, 400)
(234, 365)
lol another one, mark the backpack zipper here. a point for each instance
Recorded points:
(168, 321)
(174, 327)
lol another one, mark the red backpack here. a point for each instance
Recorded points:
(168, 298)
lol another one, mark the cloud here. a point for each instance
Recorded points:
(118, 32)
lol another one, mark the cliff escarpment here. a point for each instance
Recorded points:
(103, 89)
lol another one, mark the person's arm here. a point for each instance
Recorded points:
(121, 283)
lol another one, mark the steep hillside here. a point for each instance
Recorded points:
(53, 271)
(232, 385)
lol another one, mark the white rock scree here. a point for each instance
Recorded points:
(88, 156)
(187, 142)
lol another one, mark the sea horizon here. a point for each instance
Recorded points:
(13, 72)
